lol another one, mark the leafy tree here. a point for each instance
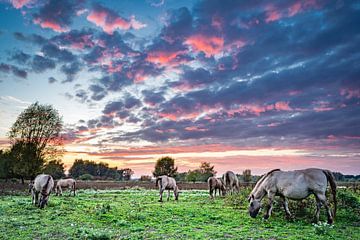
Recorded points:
(35, 138)
(6, 168)
(201, 174)
(26, 163)
(193, 175)
(98, 170)
(165, 166)
(55, 168)
(181, 177)
(206, 171)
(247, 175)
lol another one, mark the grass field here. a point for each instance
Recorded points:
(136, 214)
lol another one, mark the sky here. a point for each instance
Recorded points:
(240, 84)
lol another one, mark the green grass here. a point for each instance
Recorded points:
(136, 214)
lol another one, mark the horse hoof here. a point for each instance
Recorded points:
(266, 217)
(330, 221)
(160, 200)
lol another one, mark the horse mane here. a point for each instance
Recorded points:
(261, 180)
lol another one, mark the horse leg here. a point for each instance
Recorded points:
(286, 207)
(36, 198)
(168, 195)
(60, 190)
(211, 193)
(161, 193)
(323, 201)
(270, 205)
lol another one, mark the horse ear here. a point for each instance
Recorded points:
(251, 197)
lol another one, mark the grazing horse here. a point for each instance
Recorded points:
(216, 184)
(167, 183)
(231, 182)
(69, 183)
(296, 185)
(42, 185)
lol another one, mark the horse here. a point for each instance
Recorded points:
(216, 184)
(231, 182)
(295, 185)
(69, 183)
(167, 183)
(42, 184)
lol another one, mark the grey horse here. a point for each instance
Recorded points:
(296, 185)
(167, 183)
(42, 185)
(67, 183)
(231, 182)
(216, 184)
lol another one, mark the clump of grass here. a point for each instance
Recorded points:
(322, 228)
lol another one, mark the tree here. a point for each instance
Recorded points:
(55, 168)
(201, 174)
(165, 166)
(206, 171)
(35, 138)
(247, 175)
(25, 161)
(6, 168)
(193, 175)
(126, 174)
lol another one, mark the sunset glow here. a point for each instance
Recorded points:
(239, 84)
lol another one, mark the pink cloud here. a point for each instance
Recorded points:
(257, 110)
(350, 93)
(163, 57)
(109, 21)
(49, 24)
(210, 45)
(20, 3)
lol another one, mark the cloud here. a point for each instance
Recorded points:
(21, 3)
(70, 70)
(57, 15)
(109, 20)
(7, 68)
(40, 64)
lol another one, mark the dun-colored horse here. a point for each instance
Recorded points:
(66, 183)
(167, 183)
(216, 184)
(296, 185)
(42, 185)
(231, 182)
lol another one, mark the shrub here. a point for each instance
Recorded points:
(86, 177)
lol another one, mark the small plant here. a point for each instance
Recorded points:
(322, 228)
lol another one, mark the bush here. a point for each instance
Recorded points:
(86, 177)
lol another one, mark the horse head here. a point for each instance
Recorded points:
(254, 206)
(31, 186)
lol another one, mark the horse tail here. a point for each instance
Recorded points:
(331, 179)
(226, 179)
(44, 190)
(158, 179)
